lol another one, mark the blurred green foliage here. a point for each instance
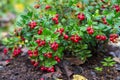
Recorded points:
(9, 11)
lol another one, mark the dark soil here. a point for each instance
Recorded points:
(21, 69)
(108, 73)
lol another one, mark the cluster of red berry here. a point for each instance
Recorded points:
(34, 63)
(81, 16)
(57, 58)
(117, 8)
(48, 55)
(75, 38)
(54, 46)
(32, 24)
(55, 19)
(104, 20)
(60, 31)
(40, 42)
(16, 52)
(48, 69)
(101, 37)
(40, 31)
(90, 30)
(66, 37)
(33, 53)
(113, 37)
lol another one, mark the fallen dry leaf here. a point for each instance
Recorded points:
(79, 77)
(69, 73)
(116, 59)
(74, 61)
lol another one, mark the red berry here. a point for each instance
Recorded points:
(91, 31)
(38, 41)
(57, 15)
(66, 36)
(89, 28)
(103, 38)
(42, 68)
(36, 64)
(104, 20)
(30, 52)
(49, 55)
(35, 54)
(30, 55)
(40, 32)
(8, 60)
(54, 46)
(98, 37)
(57, 58)
(55, 19)
(41, 79)
(81, 16)
(47, 7)
(5, 51)
(62, 29)
(32, 24)
(43, 42)
(32, 62)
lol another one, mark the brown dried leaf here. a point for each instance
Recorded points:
(116, 59)
(69, 73)
(75, 61)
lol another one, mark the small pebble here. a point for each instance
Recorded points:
(117, 67)
(118, 78)
(1, 68)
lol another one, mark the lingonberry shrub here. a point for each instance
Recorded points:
(51, 27)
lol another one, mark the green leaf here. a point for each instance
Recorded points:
(41, 57)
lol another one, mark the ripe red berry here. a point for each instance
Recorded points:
(75, 38)
(54, 46)
(30, 52)
(113, 37)
(42, 68)
(57, 15)
(49, 55)
(32, 24)
(103, 38)
(41, 79)
(36, 64)
(104, 20)
(35, 53)
(38, 41)
(8, 60)
(117, 8)
(65, 36)
(32, 62)
(16, 52)
(89, 28)
(57, 58)
(91, 32)
(98, 37)
(81, 16)
(47, 7)
(40, 31)
(5, 51)
(55, 19)
(30, 55)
